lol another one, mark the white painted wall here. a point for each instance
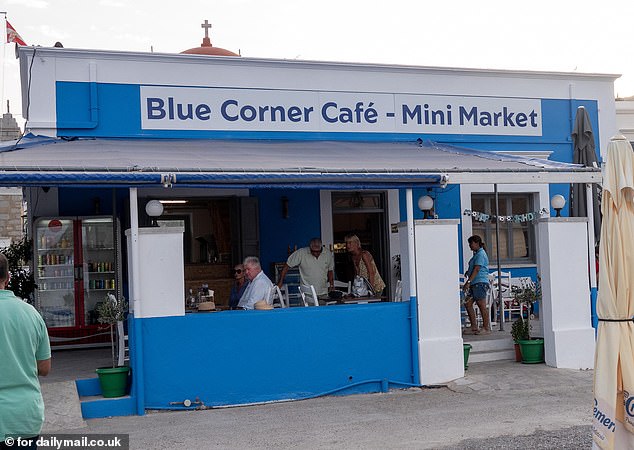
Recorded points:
(160, 253)
(625, 118)
(440, 339)
(565, 308)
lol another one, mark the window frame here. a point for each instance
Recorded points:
(541, 200)
(508, 228)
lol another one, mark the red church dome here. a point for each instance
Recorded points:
(206, 48)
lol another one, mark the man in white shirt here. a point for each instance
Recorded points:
(259, 286)
(315, 267)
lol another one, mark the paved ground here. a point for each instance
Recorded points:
(498, 405)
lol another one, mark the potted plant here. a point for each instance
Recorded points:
(532, 349)
(22, 282)
(519, 332)
(114, 379)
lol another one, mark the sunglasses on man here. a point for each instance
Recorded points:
(237, 270)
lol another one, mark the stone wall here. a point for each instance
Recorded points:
(11, 206)
(11, 212)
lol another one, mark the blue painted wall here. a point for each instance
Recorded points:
(252, 356)
(81, 201)
(119, 109)
(277, 232)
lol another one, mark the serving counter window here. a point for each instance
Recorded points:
(218, 233)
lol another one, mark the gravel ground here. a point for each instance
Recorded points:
(576, 438)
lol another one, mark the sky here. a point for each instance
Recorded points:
(544, 35)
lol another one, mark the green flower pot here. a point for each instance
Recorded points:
(466, 348)
(113, 381)
(532, 350)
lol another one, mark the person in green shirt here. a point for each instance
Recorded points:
(25, 353)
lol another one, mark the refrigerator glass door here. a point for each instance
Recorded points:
(54, 275)
(98, 262)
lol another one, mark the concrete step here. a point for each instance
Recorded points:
(489, 345)
(95, 406)
(490, 348)
(63, 409)
(500, 355)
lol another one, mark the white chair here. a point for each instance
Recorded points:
(398, 292)
(504, 296)
(275, 294)
(122, 344)
(521, 283)
(308, 294)
(284, 291)
(343, 284)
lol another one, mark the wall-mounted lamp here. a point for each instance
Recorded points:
(154, 209)
(425, 204)
(284, 207)
(558, 202)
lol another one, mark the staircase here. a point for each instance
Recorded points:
(95, 406)
(494, 347)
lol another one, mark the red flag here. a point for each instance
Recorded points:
(13, 36)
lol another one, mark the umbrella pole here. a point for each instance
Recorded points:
(592, 256)
(497, 256)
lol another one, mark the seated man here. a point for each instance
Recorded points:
(259, 284)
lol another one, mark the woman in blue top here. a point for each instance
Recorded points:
(477, 285)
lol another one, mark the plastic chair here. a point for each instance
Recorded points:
(285, 296)
(308, 291)
(510, 308)
(122, 345)
(276, 297)
(398, 292)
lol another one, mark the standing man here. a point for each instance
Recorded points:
(259, 287)
(25, 353)
(315, 267)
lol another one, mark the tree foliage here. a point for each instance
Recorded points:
(22, 281)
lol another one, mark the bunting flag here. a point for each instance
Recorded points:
(13, 36)
(517, 218)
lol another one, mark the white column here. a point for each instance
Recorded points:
(133, 253)
(437, 290)
(160, 276)
(565, 308)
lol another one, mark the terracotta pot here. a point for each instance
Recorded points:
(518, 353)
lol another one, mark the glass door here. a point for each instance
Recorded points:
(54, 274)
(98, 264)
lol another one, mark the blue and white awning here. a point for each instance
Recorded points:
(37, 161)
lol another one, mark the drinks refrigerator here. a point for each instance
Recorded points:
(77, 263)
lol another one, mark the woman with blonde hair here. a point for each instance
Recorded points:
(364, 263)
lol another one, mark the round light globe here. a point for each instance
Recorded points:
(425, 203)
(154, 208)
(557, 202)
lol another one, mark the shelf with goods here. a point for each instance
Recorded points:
(76, 266)
(57, 305)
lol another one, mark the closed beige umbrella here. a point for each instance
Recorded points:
(613, 414)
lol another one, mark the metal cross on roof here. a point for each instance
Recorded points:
(206, 26)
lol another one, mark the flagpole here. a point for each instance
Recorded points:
(4, 56)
